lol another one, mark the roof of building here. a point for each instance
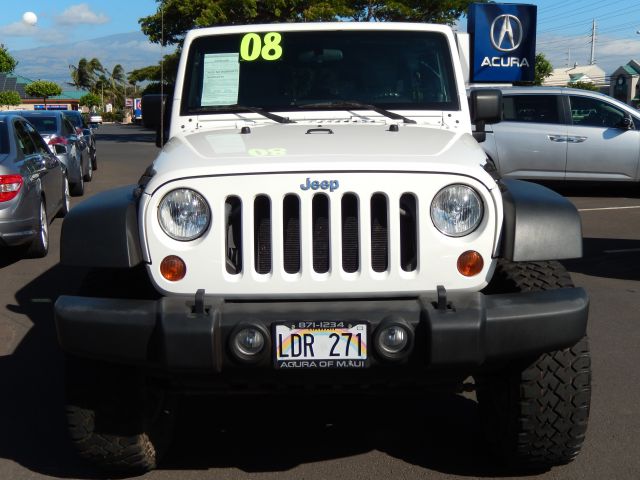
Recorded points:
(582, 73)
(18, 83)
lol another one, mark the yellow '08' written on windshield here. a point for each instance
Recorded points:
(254, 47)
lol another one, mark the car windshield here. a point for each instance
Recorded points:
(4, 137)
(43, 124)
(277, 71)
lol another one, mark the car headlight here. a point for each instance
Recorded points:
(456, 210)
(184, 214)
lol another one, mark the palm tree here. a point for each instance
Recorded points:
(80, 75)
(85, 75)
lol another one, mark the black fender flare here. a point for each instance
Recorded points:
(539, 224)
(102, 231)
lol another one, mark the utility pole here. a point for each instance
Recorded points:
(592, 61)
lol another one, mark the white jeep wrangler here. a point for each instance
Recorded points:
(322, 214)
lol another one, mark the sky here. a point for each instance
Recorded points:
(68, 21)
(564, 26)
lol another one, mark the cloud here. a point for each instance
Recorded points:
(81, 14)
(17, 29)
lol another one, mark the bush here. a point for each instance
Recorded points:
(115, 116)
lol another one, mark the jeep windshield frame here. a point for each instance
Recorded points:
(295, 70)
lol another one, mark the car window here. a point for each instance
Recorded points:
(592, 112)
(4, 137)
(25, 143)
(41, 146)
(75, 120)
(43, 124)
(531, 108)
(67, 128)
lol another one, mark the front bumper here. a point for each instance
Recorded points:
(469, 330)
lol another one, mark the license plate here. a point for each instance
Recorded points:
(321, 345)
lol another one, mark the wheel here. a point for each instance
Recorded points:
(536, 411)
(77, 189)
(116, 421)
(39, 246)
(89, 174)
(66, 198)
(94, 158)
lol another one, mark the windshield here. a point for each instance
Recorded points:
(278, 71)
(43, 124)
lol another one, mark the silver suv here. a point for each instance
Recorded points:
(554, 133)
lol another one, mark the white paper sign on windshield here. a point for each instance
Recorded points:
(221, 79)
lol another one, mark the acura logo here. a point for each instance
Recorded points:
(506, 33)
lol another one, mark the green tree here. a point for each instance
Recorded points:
(89, 100)
(583, 86)
(9, 98)
(7, 62)
(180, 16)
(543, 69)
(164, 72)
(43, 89)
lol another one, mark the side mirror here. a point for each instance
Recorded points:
(86, 131)
(60, 149)
(485, 106)
(626, 123)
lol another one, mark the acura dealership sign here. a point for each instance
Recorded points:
(503, 41)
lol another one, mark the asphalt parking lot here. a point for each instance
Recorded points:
(436, 438)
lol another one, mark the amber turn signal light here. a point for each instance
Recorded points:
(173, 268)
(470, 263)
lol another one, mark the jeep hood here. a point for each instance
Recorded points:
(316, 147)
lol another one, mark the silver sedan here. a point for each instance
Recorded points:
(70, 148)
(33, 186)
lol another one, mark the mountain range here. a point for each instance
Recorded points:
(132, 50)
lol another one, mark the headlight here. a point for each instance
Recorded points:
(456, 210)
(184, 214)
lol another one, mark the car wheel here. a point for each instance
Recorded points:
(94, 161)
(40, 244)
(116, 421)
(535, 412)
(89, 175)
(66, 198)
(77, 189)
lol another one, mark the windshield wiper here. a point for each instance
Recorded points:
(258, 110)
(364, 106)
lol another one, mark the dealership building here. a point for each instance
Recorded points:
(67, 100)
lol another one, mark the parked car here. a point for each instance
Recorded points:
(87, 131)
(70, 148)
(33, 186)
(553, 133)
(95, 118)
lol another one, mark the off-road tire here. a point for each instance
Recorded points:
(116, 421)
(536, 411)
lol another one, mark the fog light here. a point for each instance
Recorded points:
(248, 342)
(470, 263)
(173, 268)
(393, 339)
